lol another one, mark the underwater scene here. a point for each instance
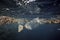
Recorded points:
(29, 20)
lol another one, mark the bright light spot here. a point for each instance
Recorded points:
(58, 29)
(7, 9)
(30, 1)
(19, 3)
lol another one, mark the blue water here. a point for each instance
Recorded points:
(43, 32)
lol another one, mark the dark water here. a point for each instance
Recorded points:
(43, 32)
(48, 9)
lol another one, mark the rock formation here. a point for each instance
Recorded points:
(26, 23)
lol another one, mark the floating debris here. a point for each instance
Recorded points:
(20, 28)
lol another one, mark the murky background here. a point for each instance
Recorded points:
(39, 8)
